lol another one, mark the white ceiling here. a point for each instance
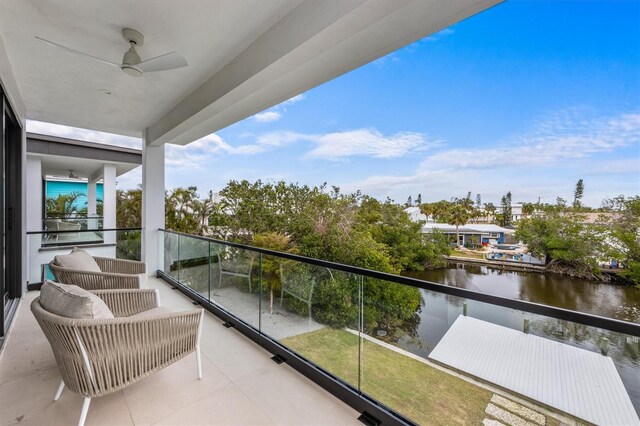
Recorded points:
(244, 56)
(60, 87)
(58, 166)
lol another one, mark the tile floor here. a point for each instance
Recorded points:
(241, 385)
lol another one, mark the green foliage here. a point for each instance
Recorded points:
(336, 301)
(569, 244)
(129, 245)
(186, 212)
(129, 208)
(62, 207)
(578, 194)
(505, 210)
(316, 222)
(625, 231)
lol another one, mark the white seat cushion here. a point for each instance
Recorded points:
(71, 301)
(78, 260)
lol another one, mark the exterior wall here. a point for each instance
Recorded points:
(54, 188)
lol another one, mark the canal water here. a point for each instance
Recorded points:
(438, 311)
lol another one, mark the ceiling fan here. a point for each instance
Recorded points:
(132, 64)
(71, 175)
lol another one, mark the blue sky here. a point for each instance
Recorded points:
(527, 97)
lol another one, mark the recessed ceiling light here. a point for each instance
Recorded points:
(105, 91)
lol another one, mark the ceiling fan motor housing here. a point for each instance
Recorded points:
(133, 36)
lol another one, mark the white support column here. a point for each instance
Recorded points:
(109, 201)
(34, 194)
(33, 220)
(92, 198)
(152, 204)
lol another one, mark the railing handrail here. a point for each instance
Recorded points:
(82, 231)
(592, 320)
(72, 218)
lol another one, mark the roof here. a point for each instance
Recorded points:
(60, 156)
(468, 228)
(581, 383)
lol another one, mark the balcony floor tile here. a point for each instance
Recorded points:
(241, 385)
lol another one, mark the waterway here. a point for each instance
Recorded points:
(439, 311)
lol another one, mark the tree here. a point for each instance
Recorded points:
(459, 214)
(129, 208)
(478, 202)
(528, 209)
(625, 236)
(505, 205)
(490, 210)
(561, 203)
(63, 206)
(569, 245)
(409, 203)
(419, 200)
(578, 194)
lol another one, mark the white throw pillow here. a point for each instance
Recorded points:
(71, 301)
(78, 260)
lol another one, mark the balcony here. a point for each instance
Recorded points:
(241, 384)
(462, 357)
(350, 343)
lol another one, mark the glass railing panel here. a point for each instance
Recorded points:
(171, 264)
(194, 264)
(73, 223)
(43, 246)
(128, 244)
(235, 281)
(314, 311)
(427, 354)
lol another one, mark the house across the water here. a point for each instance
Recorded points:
(471, 234)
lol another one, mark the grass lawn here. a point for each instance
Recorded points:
(422, 393)
(469, 254)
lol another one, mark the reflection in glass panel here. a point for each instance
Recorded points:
(235, 281)
(315, 312)
(194, 264)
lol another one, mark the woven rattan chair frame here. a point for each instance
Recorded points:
(115, 274)
(99, 357)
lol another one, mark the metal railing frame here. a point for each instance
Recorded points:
(373, 412)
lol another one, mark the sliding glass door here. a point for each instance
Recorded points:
(10, 213)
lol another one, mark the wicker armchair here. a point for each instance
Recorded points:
(97, 357)
(116, 274)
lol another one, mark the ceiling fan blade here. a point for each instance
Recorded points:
(104, 61)
(168, 61)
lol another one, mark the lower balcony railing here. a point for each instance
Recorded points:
(43, 246)
(410, 351)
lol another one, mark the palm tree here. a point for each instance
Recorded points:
(63, 206)
(490, 209)
(458, 215)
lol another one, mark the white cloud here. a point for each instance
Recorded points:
(340, 145)
(296, 98)
(366, 143)
(195, 154)
(267, 116)
(275, 113)
(83, 134)
(567, 145)
(550, 142)
(130, 180)
(440, 35)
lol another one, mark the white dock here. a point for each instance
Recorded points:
(575, 381)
